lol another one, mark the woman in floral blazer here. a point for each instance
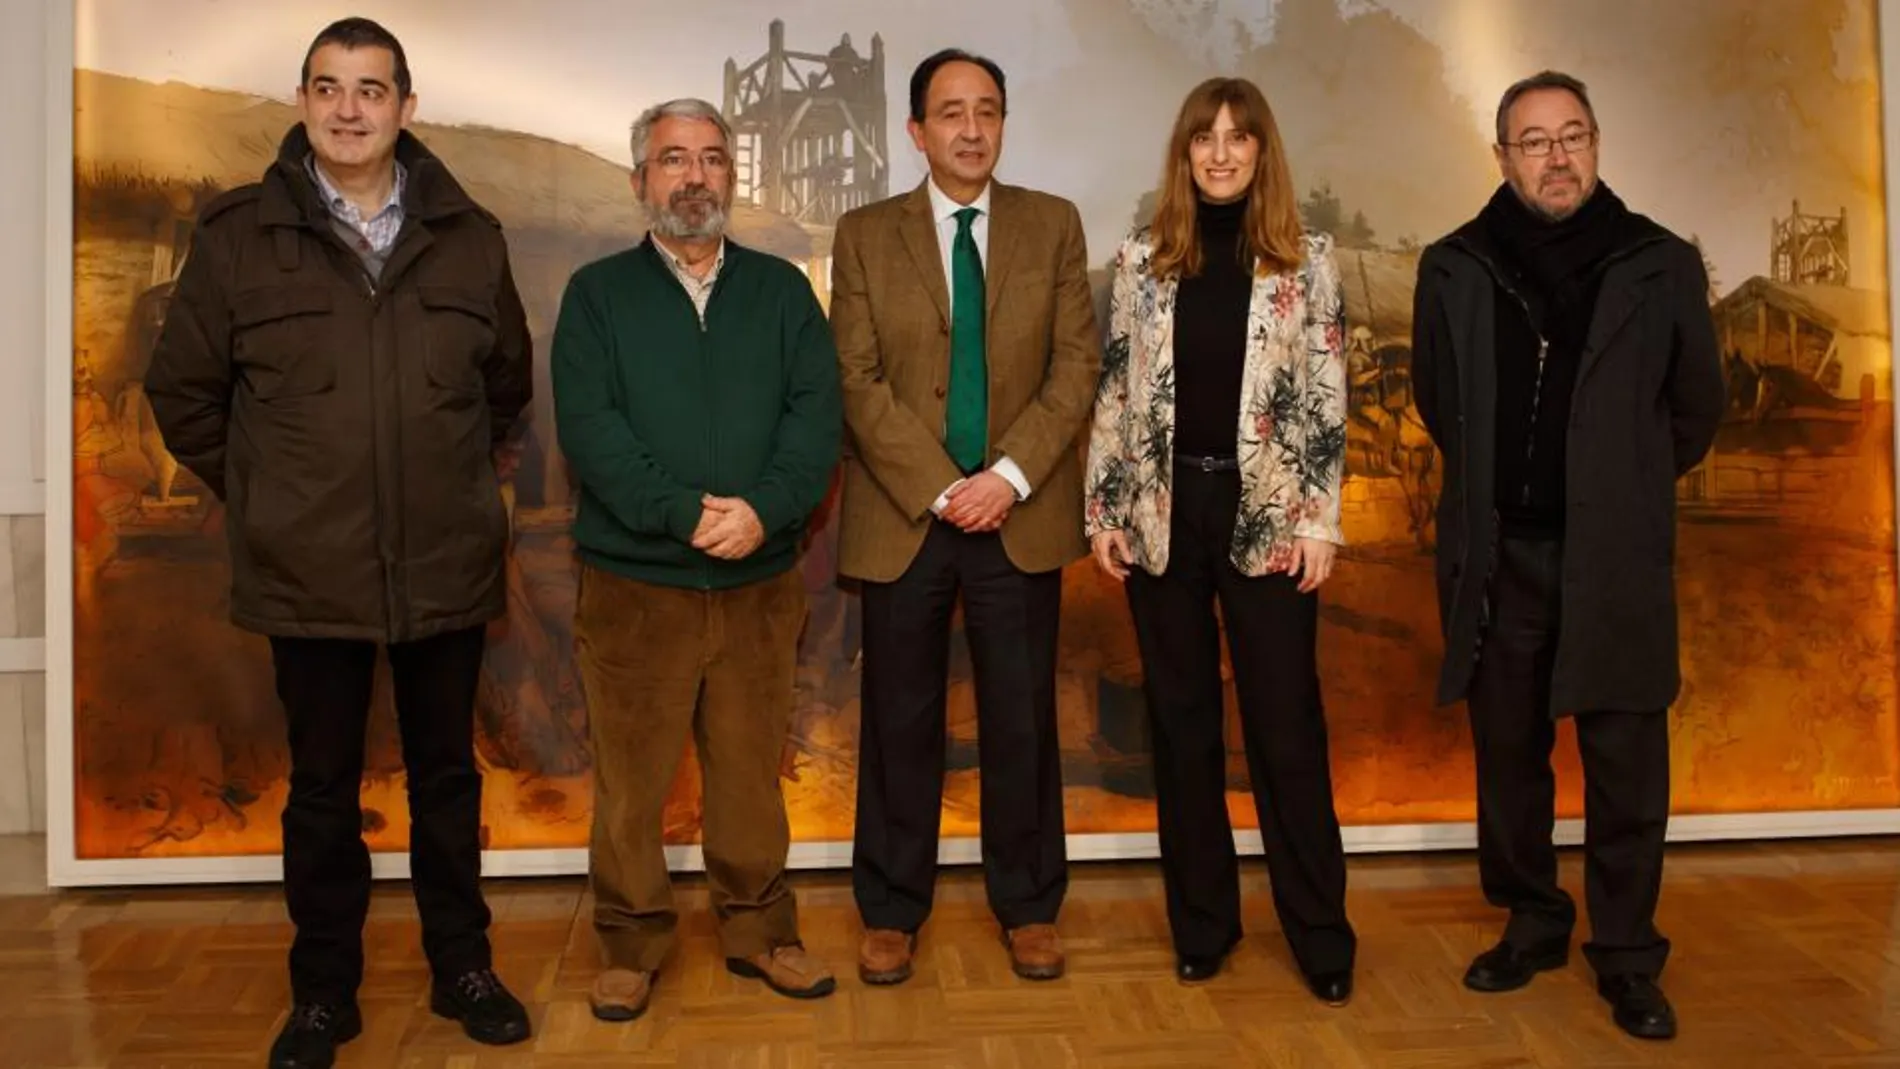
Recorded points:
(1214, 475)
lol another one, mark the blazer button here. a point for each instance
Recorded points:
(942, 393)
(943, 327)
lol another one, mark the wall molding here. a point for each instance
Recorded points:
(22, 498)
(22, 655)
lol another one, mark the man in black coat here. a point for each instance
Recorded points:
(1565, 362)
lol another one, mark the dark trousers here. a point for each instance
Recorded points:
(1009, 618)
(325, 685)
(1625, 775)
(1272, 631)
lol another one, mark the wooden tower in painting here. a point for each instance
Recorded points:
(809, 129)
(1810, 249)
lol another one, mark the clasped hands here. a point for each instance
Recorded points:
(728, 528)
(979, 503)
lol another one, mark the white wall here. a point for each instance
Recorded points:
(23, 82)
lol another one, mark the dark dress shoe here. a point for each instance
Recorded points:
(1197, 968)
(1638, 1006)
(1332, 988)
(489, 1014)
(312, 1035)
(1506, 968)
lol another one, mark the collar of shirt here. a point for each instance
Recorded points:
(685, 273)
(343, 208)
(945, 210)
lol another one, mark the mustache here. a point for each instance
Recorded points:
(692, 211)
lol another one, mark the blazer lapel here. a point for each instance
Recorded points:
(1255, 370)
(920, 237)
(1005, 224)
(1160, 328)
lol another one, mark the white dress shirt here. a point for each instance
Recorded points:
(945, 210)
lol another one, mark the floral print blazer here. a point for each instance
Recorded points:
(1292, 432)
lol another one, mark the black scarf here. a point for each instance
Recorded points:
(1555, 266)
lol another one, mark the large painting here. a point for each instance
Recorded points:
(1751, 125)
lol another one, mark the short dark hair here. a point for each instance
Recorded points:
(355, 33)
(936, 61)
(1541, 80)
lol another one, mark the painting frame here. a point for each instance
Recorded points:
(66, 869)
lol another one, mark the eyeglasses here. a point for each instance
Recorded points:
(678, 163)
(1540, 144)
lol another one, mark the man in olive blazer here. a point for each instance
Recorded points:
(967, 341)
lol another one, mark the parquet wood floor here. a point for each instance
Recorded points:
(1786, 956)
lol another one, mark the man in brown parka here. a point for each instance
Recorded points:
(342, 353)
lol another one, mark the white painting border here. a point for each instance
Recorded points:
(66, 869)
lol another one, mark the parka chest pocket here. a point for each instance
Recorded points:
(460, 325)
(280, 341)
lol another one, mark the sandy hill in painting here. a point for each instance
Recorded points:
(180, 136)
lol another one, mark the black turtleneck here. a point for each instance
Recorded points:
(1549, 274)
(1210, 337)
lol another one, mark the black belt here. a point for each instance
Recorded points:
(1186, 460)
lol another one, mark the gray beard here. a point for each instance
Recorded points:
(1555, 217)
(667, 223)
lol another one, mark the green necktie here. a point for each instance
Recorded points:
(966, 423)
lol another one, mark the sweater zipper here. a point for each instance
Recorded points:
(1537, 405)
(700, 357)
(712, 442)
(706, 397)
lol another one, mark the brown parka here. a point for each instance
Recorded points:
(348, 423)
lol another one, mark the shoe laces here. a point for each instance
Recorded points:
(478, 986)
(312, 1017)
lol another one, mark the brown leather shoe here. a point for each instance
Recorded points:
(1035, 951)
(788, 970)
(884, 955)
(621, 994)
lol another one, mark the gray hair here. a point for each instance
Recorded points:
(683, 108)
(1541, 80)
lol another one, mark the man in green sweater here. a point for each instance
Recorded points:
(696, 391)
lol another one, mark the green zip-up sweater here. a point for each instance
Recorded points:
(655, 410)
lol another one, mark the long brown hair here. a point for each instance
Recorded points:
(1272, 224)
